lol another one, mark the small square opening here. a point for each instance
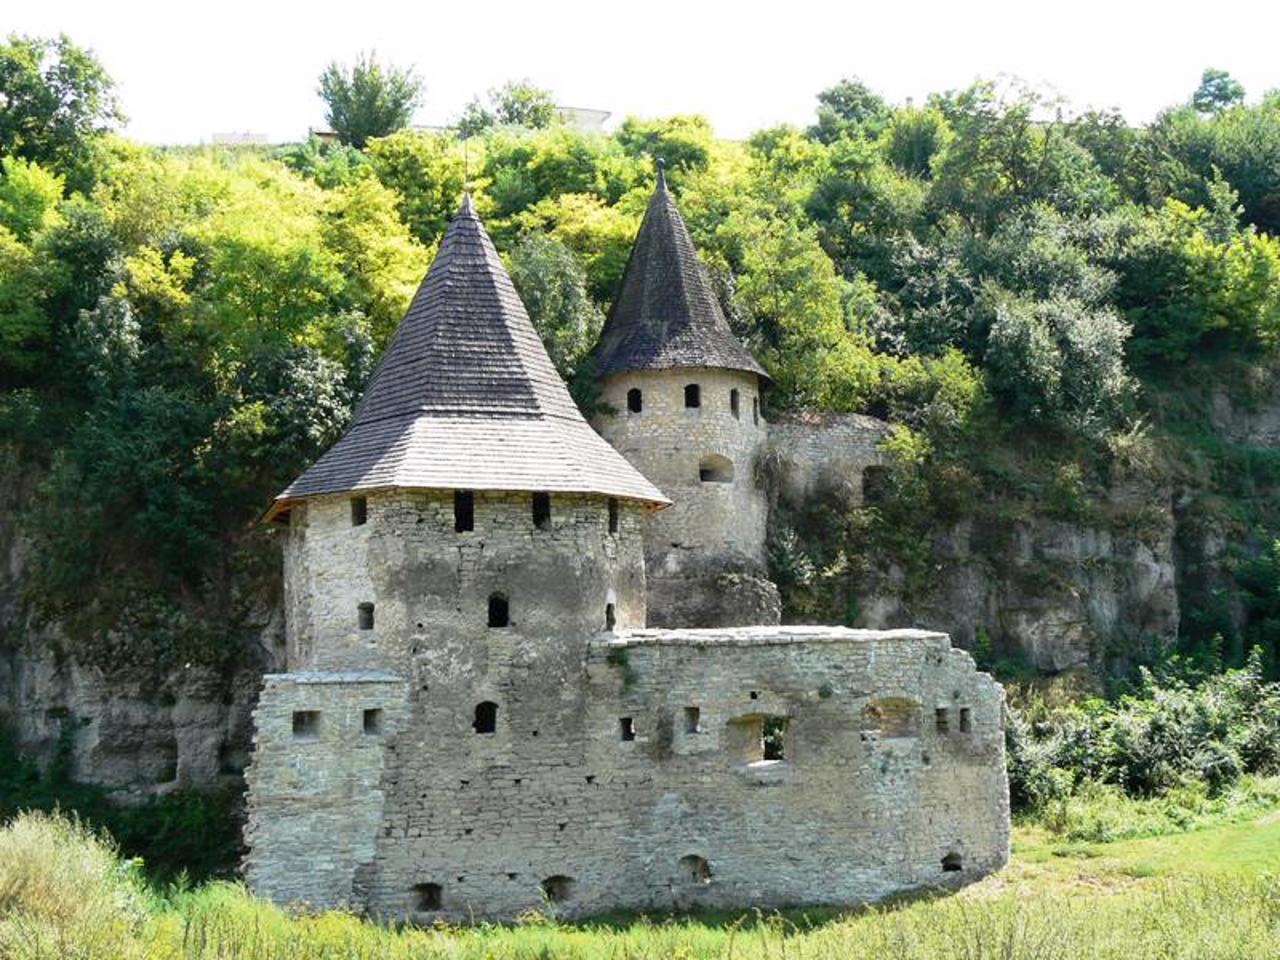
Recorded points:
(966, 720)
(627, 729)
(306, 724)
(373, 722)
(364, 615)
(942, 719)
(428, 896)
(359, 511)
(693, 395)
(464, 511)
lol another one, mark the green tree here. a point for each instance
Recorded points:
(552, 284)
(683, 141)
(914, 137)
(427, 172)
(849, 108)
(1059, 363)
(517, 103)
(1217, 91)
(56, 100)
(368, 99)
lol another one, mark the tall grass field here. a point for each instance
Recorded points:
(1204, 884)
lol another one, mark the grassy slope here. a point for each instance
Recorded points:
(1205, 894)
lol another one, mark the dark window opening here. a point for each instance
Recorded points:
(499, 611)
(695, 869)
(359, 511)
(966, 720)
(486, 717)
(373, 722)
(733, 402)
(613, 514)
(635, 400)
(610, 618)
(755, 410)
(952, 863)
(693, 395)
(542, 510)
(774, 738)
(692, 720)
(428, 896)
(464, 511)
(875, 485)
(715, 469)
(558, 889)
(365, 616)
(627, 728)
(306, 724)
(942, 719)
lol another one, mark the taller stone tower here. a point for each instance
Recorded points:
(446, 563)
(686, 400)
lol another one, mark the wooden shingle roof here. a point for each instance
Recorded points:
(465, 397)
(666, 315)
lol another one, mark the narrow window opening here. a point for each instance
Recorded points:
(486, 717)
(774, 738)
(613, 514)
(966, 720)
(428, 896)
(733, 402)
(715, 469)
(610, 618)
(306, 724)
(635, 400)
(692, 720)
(464, 511)
(373, 722)
(542, 510)
(693, 395)
(627, 729)
(499, 611)
(558, 889)
(755, 410)
(695, 869)
(364, 614)
(359, 511)
(952, 863)
(942, 719)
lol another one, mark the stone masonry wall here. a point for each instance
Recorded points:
(315, 794)
(596, 790)
(430, 585)
(705, 554)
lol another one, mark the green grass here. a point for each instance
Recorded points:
(1202, 894)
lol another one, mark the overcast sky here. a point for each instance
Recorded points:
(186, 70)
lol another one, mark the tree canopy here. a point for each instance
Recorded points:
(368, 99)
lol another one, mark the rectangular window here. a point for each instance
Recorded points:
(306, 724)
(966, 720)
(692, 720)
(755, 410)
(613, 515)
(942, 719)
(464, 511)
(627, 728)
(542, 510)
(359, 511)
(365, 615)
(373, 722)
(733, 402)
(428, 896)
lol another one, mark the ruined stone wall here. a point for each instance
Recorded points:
(705, 554)
(596, 790)
(811, 451)
(430, 585)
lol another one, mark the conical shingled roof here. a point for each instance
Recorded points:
(466, 398)
(666, 314)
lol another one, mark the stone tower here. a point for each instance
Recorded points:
(686, 396)
(445, 563)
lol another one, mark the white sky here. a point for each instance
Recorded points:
(188, 69)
